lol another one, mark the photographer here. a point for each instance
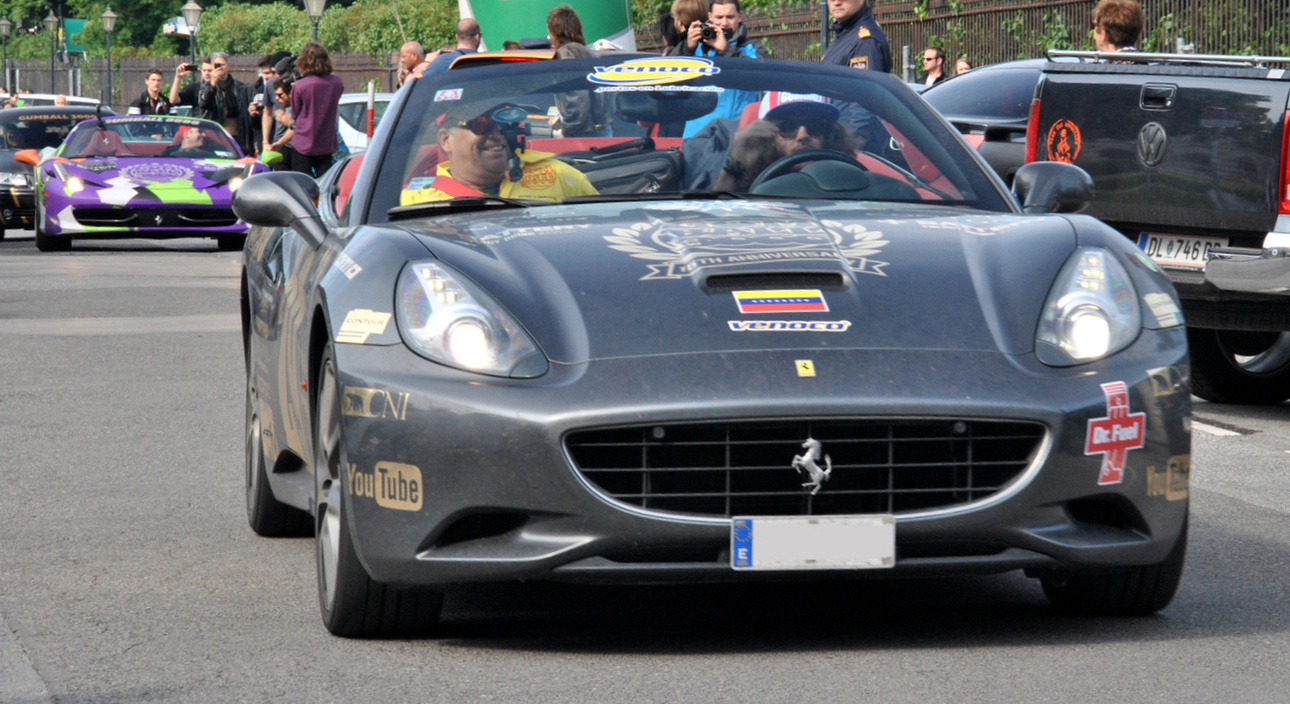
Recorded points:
(189, 93)
(721, 33)
(227, 101)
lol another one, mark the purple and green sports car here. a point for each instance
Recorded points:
(140, 176)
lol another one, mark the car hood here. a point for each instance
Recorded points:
(156, 175)
(594, 281)
(8, 164)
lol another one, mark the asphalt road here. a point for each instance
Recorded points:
(128, 573)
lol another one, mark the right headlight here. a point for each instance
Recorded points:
(444, 317)
(8, 178)
(1091, 312)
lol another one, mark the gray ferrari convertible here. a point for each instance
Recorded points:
(653, 319)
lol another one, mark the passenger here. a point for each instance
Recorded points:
(1117, 25)
(480, 159)
(788, 123)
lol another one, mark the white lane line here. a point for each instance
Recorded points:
(1212, 429)
(19, 681)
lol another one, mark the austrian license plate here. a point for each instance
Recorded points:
(813, 543)
(1179, 250)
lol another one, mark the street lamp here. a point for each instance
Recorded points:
(5, 28)
(314, 8)
(51, 26)
(109, 23)
(192, 13)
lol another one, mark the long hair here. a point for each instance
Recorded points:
(314, 60)
(564, 26)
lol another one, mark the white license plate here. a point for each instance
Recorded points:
(813, 543)
(1179, 250)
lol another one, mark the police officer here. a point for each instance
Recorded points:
(858, 41)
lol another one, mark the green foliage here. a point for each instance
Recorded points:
(921, 9)
(1159, 38)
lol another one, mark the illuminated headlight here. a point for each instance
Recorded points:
(234, 183)
(12, 179)
(74, 184)
(1091, 312)
(446, 318)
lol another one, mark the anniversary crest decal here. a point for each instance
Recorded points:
(678, 248)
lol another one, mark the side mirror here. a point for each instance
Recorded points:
(1052, 187)
(28, 156)
(282, 199)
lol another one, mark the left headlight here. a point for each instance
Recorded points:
(444, 317)
(11, 179)
(1091, 312)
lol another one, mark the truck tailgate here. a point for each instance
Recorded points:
(1179, 149)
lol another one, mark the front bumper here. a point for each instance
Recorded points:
(89, 220)
(17, 207)
(499, 497)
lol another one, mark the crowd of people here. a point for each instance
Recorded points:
(289, 115)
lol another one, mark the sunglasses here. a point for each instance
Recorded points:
(480, 126)
(788, 128)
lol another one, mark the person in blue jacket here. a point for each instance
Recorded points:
(858, 41)
(727, 37)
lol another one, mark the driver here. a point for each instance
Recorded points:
(191, 142)
(478, 148)
(789, 123)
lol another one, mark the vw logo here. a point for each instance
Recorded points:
(1152, 143)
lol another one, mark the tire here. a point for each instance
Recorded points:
(1234, 366)
(1, 233)
(230, 243)
(352, 603)
(45, 242)
(1126, 591)
(268, 516)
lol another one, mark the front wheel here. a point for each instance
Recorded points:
(46, 242)
(1124, 591)
(268, 516)
(352, 603)
(1236, 366)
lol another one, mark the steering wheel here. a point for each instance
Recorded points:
(785, 165)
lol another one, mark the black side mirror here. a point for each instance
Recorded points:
(282, 199)
(1052, 187)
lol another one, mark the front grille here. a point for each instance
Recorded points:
(155, 217)
(745, 468)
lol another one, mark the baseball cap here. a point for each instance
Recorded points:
(781, 105)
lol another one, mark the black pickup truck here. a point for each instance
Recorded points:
(1190, 158)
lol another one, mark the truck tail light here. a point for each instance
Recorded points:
(1032, 132)
(1283, 196)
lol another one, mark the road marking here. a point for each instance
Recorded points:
(221, 322)
(1212, 429)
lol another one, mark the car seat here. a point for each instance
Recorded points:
(105, 143)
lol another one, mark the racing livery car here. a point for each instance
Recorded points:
(818, 337)
(140, 176)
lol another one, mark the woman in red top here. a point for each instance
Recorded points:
(315, 100)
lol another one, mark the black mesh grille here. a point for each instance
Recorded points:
(745, 468)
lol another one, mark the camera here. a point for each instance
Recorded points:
(708, 32)
(188, 67)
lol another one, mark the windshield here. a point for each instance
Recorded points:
(36, 131)
(632, 126)
(1000, 94)
(150, 137)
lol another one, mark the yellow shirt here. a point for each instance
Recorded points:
(544, 178)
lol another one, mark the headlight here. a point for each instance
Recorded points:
(1091, 312)
(74, 184)
(234, 184)
(444, 317)
(12, 179)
